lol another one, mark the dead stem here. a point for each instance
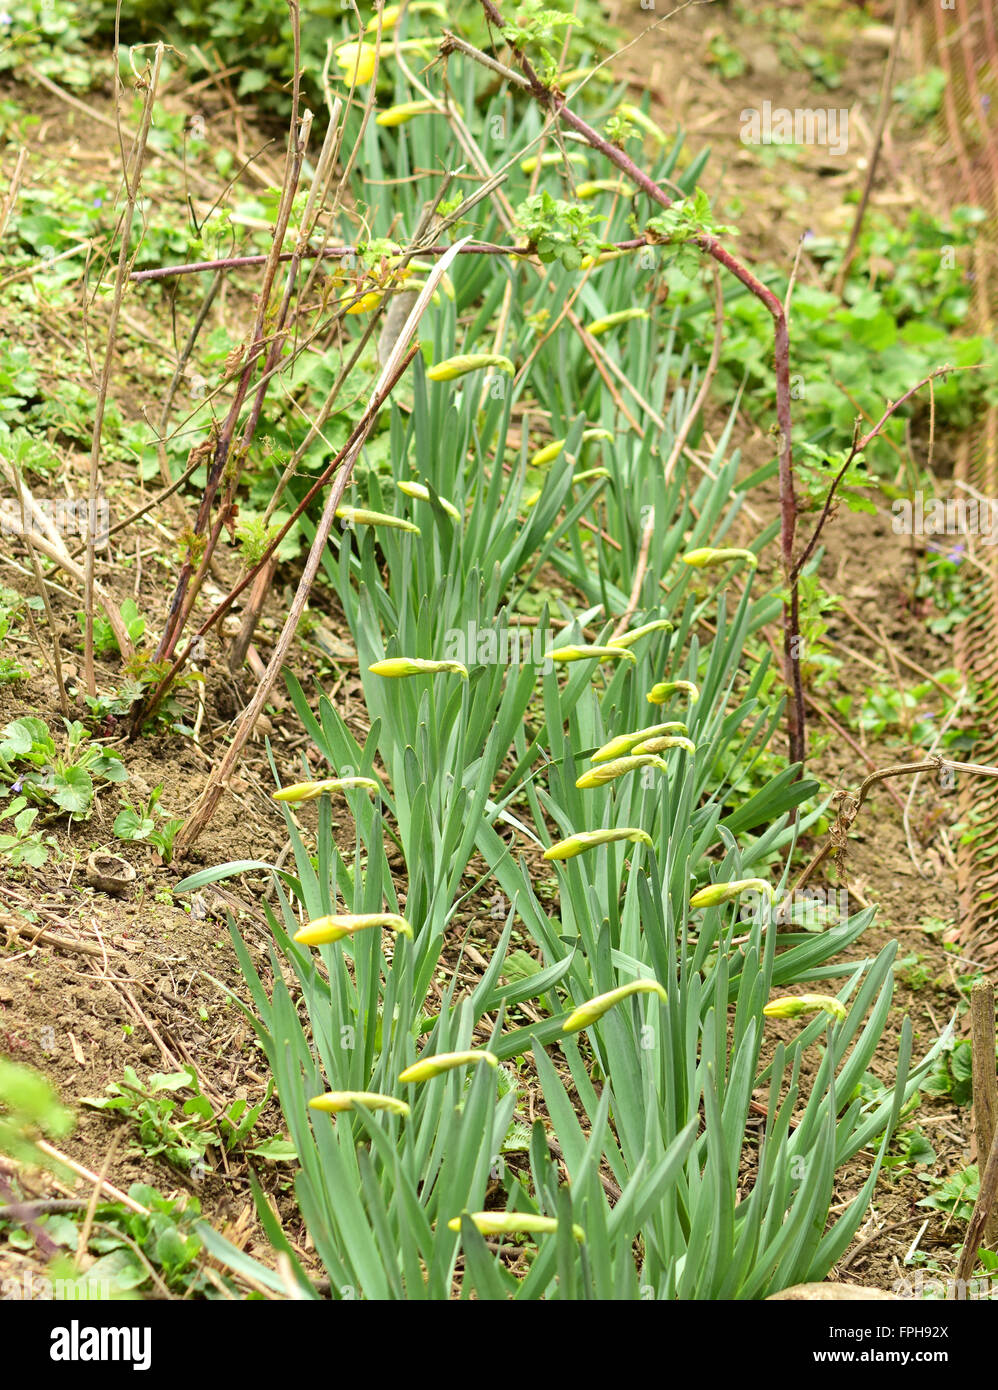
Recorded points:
(121, 275)
(56, 662)
(849, 807)
(708, 377)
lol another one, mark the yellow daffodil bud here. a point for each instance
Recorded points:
(426, 48)
(358, 61)
(532, 498)
(593, 1009)
(308, 791)
(422, 493)
(428, 1067)
(554, 157)
(390, 16)
(397, 666)
(609, 772)
(590, 476)
(627, 639)
(590, 188)
(663, 743)
(660, 693)
(334, 928)
(363, 305)
(701, 559)
(637, 117)
(359, 516)
(795, 1005)
(466, 362)
(404, 111)
(585, 653)
(717, 893)
(513, 1223)
(623, 744)
(589, 839)
(552, 450)
(334, 1102)
(604, 325)
(604, 258)
(549, 452)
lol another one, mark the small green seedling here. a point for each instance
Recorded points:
(139, 823)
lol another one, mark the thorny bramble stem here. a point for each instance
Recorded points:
(859, 446)
(473, 248)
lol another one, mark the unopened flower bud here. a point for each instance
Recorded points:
(717, 893)
(428, 1067)
(619, 767)
(396, 666)
(323, 930)
(335, 1102)
(452, 367)
(590, 839)
(795, 1005)
(593, 1009)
